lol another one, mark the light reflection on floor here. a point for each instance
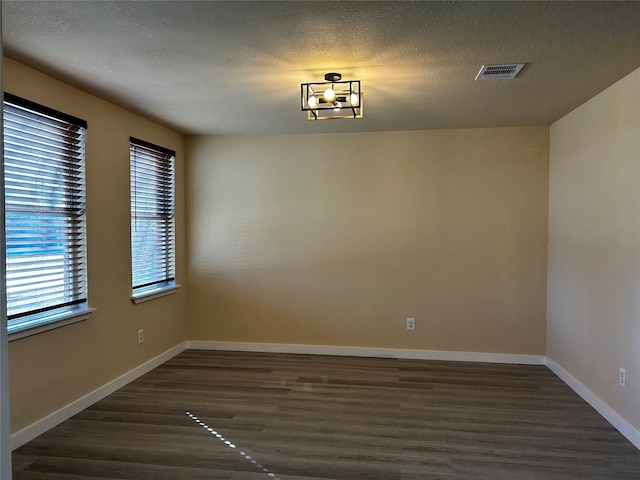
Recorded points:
(229, 444)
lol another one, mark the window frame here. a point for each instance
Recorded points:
(74, 265)
(156, 174)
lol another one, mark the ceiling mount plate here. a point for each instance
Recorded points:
(333, 77)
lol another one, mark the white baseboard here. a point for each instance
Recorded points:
(368, 352)
(38, 428)
(619, 423)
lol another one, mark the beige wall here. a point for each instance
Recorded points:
(52, 369)
(335, 239)
(594, 245)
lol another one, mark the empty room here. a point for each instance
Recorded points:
(320, 240)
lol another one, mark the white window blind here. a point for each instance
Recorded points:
(152, 216)
(44, 213)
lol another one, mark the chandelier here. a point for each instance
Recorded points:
(334, 98)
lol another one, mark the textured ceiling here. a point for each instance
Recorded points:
(236, 67)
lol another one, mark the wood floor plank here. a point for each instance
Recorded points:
(239, 415)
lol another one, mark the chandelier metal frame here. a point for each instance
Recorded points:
(335, 98)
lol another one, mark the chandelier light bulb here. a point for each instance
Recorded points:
(329, 94)
(312, 101)
(337, 106)
(354, 99)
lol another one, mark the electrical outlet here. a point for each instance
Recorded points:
(411, 323)
(140, 336)
(622, 379)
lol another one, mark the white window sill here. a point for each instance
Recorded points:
(156, 293)
(55, 321)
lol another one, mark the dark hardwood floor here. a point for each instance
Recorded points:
(231, 415)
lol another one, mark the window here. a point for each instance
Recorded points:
(152, 220)
(44, 215)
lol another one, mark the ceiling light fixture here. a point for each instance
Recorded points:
(334, 98)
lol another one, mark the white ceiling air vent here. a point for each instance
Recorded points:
(496, 72)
